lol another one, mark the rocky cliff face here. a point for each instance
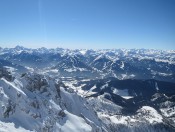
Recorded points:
(37, 102)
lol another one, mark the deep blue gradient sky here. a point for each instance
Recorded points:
(88, 23)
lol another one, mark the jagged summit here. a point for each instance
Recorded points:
(19, 47)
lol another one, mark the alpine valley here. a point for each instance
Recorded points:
(84, 90)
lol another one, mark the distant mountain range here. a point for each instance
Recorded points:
(108, 90)
(118, 63)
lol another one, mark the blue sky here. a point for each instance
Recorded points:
(88, 23)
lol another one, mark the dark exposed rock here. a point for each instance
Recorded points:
(10, 108)
(62, 113)
(35, 104)
(36, 82)
(6, 74)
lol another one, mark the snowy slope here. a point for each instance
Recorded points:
(43, 104)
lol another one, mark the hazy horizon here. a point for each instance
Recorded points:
(86, 48)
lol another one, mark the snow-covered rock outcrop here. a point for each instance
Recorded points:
(38, 103)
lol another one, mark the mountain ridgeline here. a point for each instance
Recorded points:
(54, 90)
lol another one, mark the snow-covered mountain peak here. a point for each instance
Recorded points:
(106, 90)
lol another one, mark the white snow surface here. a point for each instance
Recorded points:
(44, 109)
(73, 123)
(123, 93)
(10, 127)
(150, 112)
